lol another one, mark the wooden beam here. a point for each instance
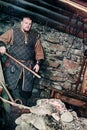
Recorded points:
(76, 5)
(54, 16)
(72, 101)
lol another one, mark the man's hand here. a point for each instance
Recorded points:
(36, 68)
(2, 50)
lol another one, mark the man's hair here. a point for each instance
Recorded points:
(26, 18)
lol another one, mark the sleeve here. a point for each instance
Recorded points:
(39, 52)
(6, 38)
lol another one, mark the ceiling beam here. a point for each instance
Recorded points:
(76, 5)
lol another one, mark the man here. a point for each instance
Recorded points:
(25, 46)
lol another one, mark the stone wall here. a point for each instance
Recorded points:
(63, 59)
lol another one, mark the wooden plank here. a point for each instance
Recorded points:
(81, 2)
(76, 5)
(72, 101)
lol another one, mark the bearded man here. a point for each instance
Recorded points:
(25, 46)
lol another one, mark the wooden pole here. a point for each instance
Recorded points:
(25, 67)
(15, 104)
(76, 5)
(9, 95)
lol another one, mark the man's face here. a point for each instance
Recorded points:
(26, 24)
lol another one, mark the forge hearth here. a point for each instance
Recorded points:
(50, 114)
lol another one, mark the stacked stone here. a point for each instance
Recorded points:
(63, 59)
